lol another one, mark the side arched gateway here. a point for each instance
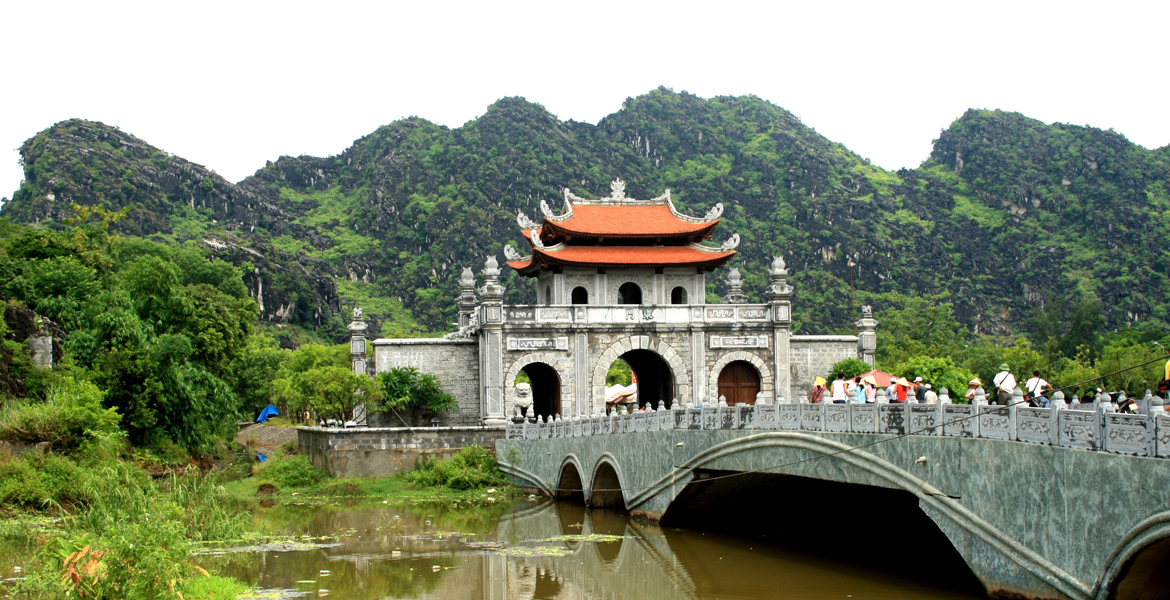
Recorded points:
(552, 388)
(740, 378)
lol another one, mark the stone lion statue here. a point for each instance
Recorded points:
(523, 398)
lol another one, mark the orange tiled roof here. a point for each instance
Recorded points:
(624, 221)
(624, 256)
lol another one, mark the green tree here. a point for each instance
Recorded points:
(334, 392)
(417, 395)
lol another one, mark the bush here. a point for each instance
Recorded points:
(70, 416)
(417, 394)
(939, 372)
(470, 468)
(289, 471)
(851, 367)
(37, 480)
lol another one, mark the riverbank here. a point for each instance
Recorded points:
(106, 528)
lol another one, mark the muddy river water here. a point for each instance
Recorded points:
(541, 551)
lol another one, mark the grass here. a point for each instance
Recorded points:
(462, 478)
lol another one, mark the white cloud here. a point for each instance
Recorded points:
(230, 85)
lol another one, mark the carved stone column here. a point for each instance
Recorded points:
(491, 345)
(867, 335)
(780, 303)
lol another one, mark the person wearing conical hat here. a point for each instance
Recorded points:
(973, 388)
(902, 388)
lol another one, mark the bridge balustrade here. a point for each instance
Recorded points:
(1089, 426)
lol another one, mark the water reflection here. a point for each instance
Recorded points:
(521, 554)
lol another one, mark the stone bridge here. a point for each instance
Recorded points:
(1065, 502)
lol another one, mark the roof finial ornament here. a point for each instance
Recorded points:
(524, 222)
(778, 266)
(467, 278)
(491, 267)
(731, 244)
(715, 212)
(617, 189)
(536, 243)
(735, 293)
(512, 254)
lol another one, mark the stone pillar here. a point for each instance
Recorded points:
(735, 293)
(467, 301)
(357, 355)
(41, 349)
(867, 335)
(491, 346)
(357, 343)
(780, 302)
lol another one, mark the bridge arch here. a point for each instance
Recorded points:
(563, 384)
(605, 486)
(670, 356)
(767, 382)
(570, 486)
(1142, 555)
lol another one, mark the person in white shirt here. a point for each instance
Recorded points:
(1005, 384)
(840, 391)
(1035, 387)
(931, 397)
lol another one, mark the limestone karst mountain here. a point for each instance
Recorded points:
(1004, 211)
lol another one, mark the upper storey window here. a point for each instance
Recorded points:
(678, 295)
(629, 293)
(580, 295)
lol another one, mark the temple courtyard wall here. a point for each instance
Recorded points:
(455, 363)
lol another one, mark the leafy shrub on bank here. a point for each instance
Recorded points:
(470, 468)
(289, 471)
(40, 481)
(71, 416)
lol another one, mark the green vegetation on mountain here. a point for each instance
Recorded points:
(1015, 225)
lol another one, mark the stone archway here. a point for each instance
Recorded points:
(551, 361)
(678, 369)
(767, 382)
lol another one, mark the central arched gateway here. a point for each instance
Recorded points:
(739, 382)
(655, 381)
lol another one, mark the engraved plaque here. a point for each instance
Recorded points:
(753, 313)
(515, 314)
(530, 344)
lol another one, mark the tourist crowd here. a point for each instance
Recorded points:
(863, 389)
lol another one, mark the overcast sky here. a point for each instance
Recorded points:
(232, 84)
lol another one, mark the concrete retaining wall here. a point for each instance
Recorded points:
(386, 451)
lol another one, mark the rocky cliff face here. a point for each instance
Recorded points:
(1004, 211)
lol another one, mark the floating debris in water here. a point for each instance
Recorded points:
(324, 572)
(436, 568)
(395, 554)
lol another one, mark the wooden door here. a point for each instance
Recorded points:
(739, 382)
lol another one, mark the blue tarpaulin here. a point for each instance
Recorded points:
(269, 411)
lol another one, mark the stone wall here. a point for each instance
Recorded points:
(454, 362)
(386, 451)
(812, 356)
